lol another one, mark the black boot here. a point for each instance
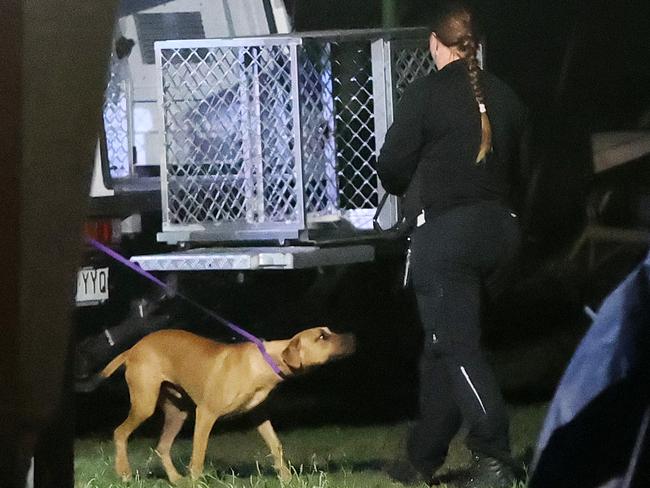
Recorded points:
(404, 472)
(490, 472)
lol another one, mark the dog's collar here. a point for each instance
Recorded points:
(286, 370)
(276, 366)
(270, 361)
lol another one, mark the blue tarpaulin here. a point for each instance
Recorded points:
(596, 431)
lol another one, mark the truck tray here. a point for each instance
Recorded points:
(255, 258)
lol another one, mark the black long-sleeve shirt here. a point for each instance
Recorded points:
(437, 129)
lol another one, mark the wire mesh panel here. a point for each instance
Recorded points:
(266, 137)
(317, 129)
(410, 59)
(116, 112)
(355, 134)
(337, 127)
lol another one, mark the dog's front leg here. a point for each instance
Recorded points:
(270, 437)
(204, 421)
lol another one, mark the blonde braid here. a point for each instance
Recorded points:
(455, 27)
(468, 48)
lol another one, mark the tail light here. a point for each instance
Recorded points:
(104, 230)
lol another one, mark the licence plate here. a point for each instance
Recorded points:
(92, 286)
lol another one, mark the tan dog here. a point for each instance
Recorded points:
(221, 379)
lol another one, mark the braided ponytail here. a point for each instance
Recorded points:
(469, 47)
(455, 26)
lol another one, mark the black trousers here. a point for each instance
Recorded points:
(456, 258)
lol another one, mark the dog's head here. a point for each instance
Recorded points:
(313, 347)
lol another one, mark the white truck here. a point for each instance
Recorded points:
(126, 179)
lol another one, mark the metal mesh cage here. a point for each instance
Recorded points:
(116, 112)
(266, 137)
(229, 135)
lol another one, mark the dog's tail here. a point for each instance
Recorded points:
(89, 384)
(114, 364)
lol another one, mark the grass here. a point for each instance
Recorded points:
(324, 457)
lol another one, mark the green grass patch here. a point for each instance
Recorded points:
(324, 457)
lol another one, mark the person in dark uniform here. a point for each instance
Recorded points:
(452, 151)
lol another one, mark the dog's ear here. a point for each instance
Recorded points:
(291, 355)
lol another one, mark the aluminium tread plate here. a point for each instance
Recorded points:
(255, 258)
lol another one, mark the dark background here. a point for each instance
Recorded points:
(588, 56)
(580, 67)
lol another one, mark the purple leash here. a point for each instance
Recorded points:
(245, 334)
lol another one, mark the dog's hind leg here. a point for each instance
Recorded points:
(204, 421)
(174, 419)
(270, 437)
(143, 390)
